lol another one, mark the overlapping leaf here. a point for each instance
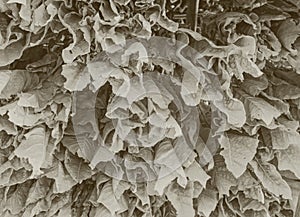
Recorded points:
(138, 144)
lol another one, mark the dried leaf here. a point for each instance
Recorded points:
(271, 179)
(207, 202)
(238, 151)
(288, 159)
(33, 148)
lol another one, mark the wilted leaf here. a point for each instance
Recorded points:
(165, 178)
(279, 104)
(81, 36)
(250, 186)
(254, 86)
(238, 152)
(239, 63)
(234, 110)
(38, 190)
(195, 173)
(181, 199)
(17, 200)
(295, 202)
(108, 199)
(13, 51)
(223, 178)
(288, 159)
(65, 211)
(250, 204)
(77, 76)
(23, 2)
(102, 211)
(15, 81)
(39, 98)
(282, 138)
(57, 204)
(259, 109)
(286, 91)
(101, 71)
(63, 181)
(271, 179)
(33, 148)
(23, 117)
(78, 169)
(287, 33)
(168, 24)
(126, 108)
(7, 126)
(207, 202)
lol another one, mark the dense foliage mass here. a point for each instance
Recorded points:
(212, 127)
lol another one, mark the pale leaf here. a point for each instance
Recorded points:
(289, 159)
(33, 148)
(207, 202)
(238, 151)
(271, 179)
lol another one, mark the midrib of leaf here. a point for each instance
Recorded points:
(229, 150)
(78, 172)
